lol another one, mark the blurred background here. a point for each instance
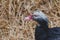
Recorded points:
(12, 13)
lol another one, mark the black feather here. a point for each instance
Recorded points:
(42, 32)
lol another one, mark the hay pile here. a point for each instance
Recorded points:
(12, 13)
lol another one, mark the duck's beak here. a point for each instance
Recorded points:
(28, 18)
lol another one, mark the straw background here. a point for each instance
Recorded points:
(12, 13)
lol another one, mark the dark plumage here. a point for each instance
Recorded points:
(42, 32)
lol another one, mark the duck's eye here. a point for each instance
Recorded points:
(35, 15)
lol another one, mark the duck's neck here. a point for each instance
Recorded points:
(44, 26)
